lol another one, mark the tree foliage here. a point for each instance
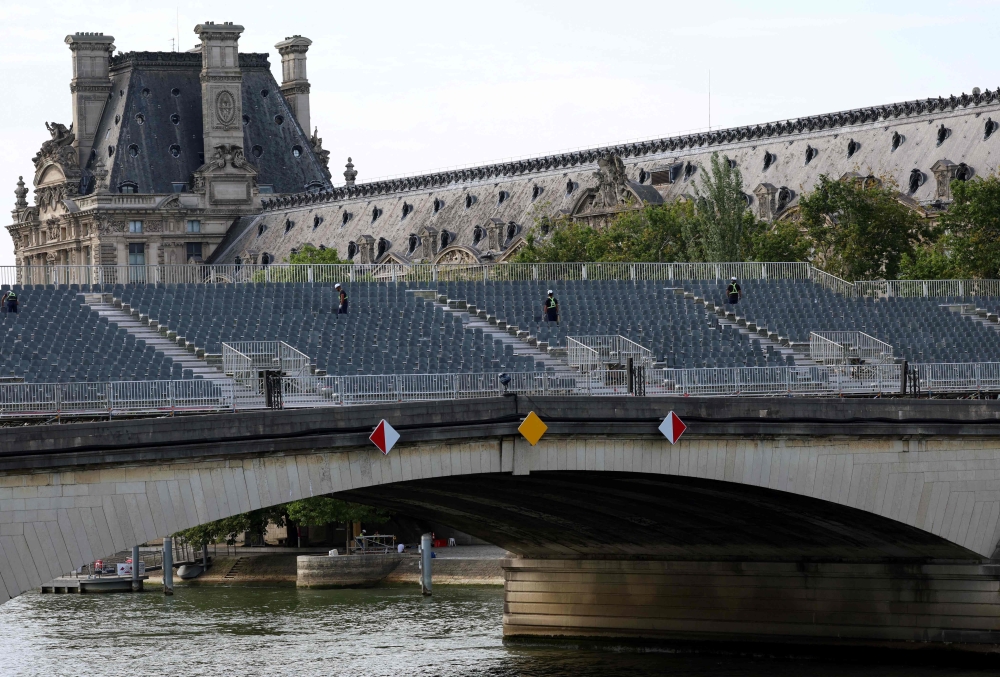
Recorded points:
(230, 529)
(973, 226)
(725, 224)
(859, 227)
(322, 510)
(309, 254)
(784, 241)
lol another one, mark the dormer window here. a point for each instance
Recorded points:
(128, 187)
(376, 213)
(502, 197)
(478, 234)
(413, 243)
(407, 209)
(352, 250)
(469, 201)
(437, 205)
(445, 238)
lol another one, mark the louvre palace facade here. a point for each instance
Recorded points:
(202, 157)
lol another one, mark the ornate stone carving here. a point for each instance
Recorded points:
(225, 109)
(20, 193)
(59, 148)
(428, 243)
(765, 195)
(366, 249)
(107, 226)
(228, 154)
(322, 155)
(456, 254)
(101, 175)
(612, 190)
(350, 174)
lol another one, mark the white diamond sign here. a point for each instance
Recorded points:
(672, 427)
(384, 436)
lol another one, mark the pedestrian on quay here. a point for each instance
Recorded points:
(3, 302)
(342, 295)
(11, 302)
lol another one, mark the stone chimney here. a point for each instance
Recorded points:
(221, 84)
(90, 86)
(294, 81)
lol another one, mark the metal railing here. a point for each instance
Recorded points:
(957, 378)
(123, 398)
(312, 391)
(927, 288)
(247, 358)
(587, 353)
(350, 272)
(373, 545)
(114, 398)
(865, 379)
(848, 347)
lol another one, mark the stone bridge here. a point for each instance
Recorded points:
(772, 520)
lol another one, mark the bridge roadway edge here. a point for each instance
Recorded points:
(926, 474)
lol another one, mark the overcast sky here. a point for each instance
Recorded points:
(405, 87)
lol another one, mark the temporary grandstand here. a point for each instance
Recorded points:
(107, 340)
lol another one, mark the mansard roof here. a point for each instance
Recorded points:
(701, 141)
(150, 134)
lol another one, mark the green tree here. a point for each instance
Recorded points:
(725, 223)
(784, 241)
(860, 228)
(653, 234)
(229, 529)
(973, 221)
(322, 510)
(560, 240)
(315, 255)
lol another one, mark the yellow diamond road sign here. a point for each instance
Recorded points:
(532, 428)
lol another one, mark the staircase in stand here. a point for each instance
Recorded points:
(149, 331)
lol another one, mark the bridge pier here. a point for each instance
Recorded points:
(886, 605)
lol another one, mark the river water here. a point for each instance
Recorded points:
(274, 632)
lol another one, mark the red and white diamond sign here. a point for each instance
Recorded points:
(672, 427)
(384, 436)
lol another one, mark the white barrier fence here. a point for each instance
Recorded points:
(123, 398)
(587, 353)
(848, 347)
(350, 272)
(115, 398)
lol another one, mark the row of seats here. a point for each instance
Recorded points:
(388, 331)
(919, 329)
(679, 333)
(55, 338)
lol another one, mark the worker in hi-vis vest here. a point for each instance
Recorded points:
(551, 308)
(734, 291)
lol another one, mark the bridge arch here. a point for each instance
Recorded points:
(591, 488)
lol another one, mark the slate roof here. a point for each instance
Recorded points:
(151, 131)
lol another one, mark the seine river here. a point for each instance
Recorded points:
(283, 631)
